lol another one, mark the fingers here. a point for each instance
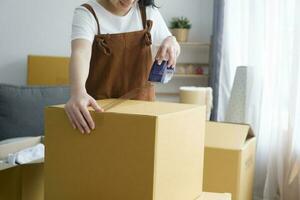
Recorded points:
(95, 106)
(87, 115)
(79, 118)
(88, 118)
(168, 51)
(168, 54)
(172, 57)
(71, 119)
(161, 54)
(78, 113)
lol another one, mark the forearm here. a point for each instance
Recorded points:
(79, 69)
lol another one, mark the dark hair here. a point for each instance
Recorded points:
(147, 3)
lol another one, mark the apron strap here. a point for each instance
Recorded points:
(87, 6)
(143, 14)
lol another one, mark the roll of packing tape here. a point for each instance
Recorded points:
(193, 95)
(197, 95)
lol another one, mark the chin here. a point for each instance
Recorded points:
(125, 6)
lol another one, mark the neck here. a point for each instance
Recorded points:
(113, 9)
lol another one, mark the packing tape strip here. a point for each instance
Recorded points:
(129, 95)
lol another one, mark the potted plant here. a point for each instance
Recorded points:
(180, 27)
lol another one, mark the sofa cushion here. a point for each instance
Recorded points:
(22, 108)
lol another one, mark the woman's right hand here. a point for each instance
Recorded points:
(77, 111)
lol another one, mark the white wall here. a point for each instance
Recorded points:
(199, 12)
(43, 27)
(32, 27)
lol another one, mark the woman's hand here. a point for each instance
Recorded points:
(169, 51)
(77, 106)
(78, 114)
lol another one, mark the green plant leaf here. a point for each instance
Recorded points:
(180, 22)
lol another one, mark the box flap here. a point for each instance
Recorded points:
(16, 144)
(4, 166)
(227, 135)
(151, 108)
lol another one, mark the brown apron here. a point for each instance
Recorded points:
(121, 62)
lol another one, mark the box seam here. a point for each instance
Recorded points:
(155, 160)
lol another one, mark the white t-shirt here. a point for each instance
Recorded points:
(84, 25)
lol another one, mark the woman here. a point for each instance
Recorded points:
(111, 54)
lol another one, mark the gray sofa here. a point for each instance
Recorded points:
(22, 108)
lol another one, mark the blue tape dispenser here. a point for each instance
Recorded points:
(161, 73)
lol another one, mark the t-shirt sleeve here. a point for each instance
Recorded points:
(84, 25)
(160, 30)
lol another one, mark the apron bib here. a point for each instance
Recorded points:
(121, 62)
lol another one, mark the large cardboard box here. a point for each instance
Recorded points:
(21, 182)
(138, 150)
(229, 159)
(214, 196)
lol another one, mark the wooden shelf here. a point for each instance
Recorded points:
(189, 44)
(167, 94)
(194, 64)
(196, 44)
(191, 75)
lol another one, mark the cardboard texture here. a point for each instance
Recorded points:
(33, 181)
(229, 159)
(138, 150)
(21, 182)
(47, 70)
(25, 182)
(10, 184)
(214, 196)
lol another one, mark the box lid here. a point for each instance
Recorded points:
(151, 108)
(227, 135)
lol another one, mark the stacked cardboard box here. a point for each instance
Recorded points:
(229, 159)
(21, 182)
(138, 150)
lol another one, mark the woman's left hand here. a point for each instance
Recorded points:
(169, 51)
